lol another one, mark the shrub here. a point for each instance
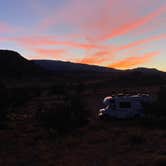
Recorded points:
(158, 108)
(4, 99)
(160, 105)
(160, 161)
(64, 116)
(136, 140)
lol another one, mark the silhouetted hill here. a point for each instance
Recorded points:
(132, 76)
(143, 76)
(61, 66)
(13, 64)
(150, 72)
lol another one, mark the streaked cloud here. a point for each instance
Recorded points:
(39, 53)
(53, 41)
(96, 58)
(142, 42)
(5, 28)
(133, 61)
(136, 24)
(109, 53)
(92, 32)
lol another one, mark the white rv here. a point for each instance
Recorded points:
(124, 106)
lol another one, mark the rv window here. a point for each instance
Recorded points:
(125, 105)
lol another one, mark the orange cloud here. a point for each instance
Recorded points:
(108, 53)
(97, 58)
(134, 61)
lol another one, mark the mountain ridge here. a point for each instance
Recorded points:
(57, 65)
(52, 64)
(13, 63)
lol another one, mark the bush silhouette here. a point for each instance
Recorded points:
(64, 116)
(4, 101)
(160, 107)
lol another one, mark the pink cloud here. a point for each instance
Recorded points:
(52, 41)
(51, 53)
(91, 24)
(136, 24)
(4, 28)
(104, 20)
(141, 42)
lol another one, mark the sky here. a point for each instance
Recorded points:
(113, 33)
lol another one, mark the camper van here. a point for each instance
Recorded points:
(124, 106)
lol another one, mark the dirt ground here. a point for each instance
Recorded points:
(100, 143)
(110, 143)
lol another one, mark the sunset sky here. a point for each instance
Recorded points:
(113, 33)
